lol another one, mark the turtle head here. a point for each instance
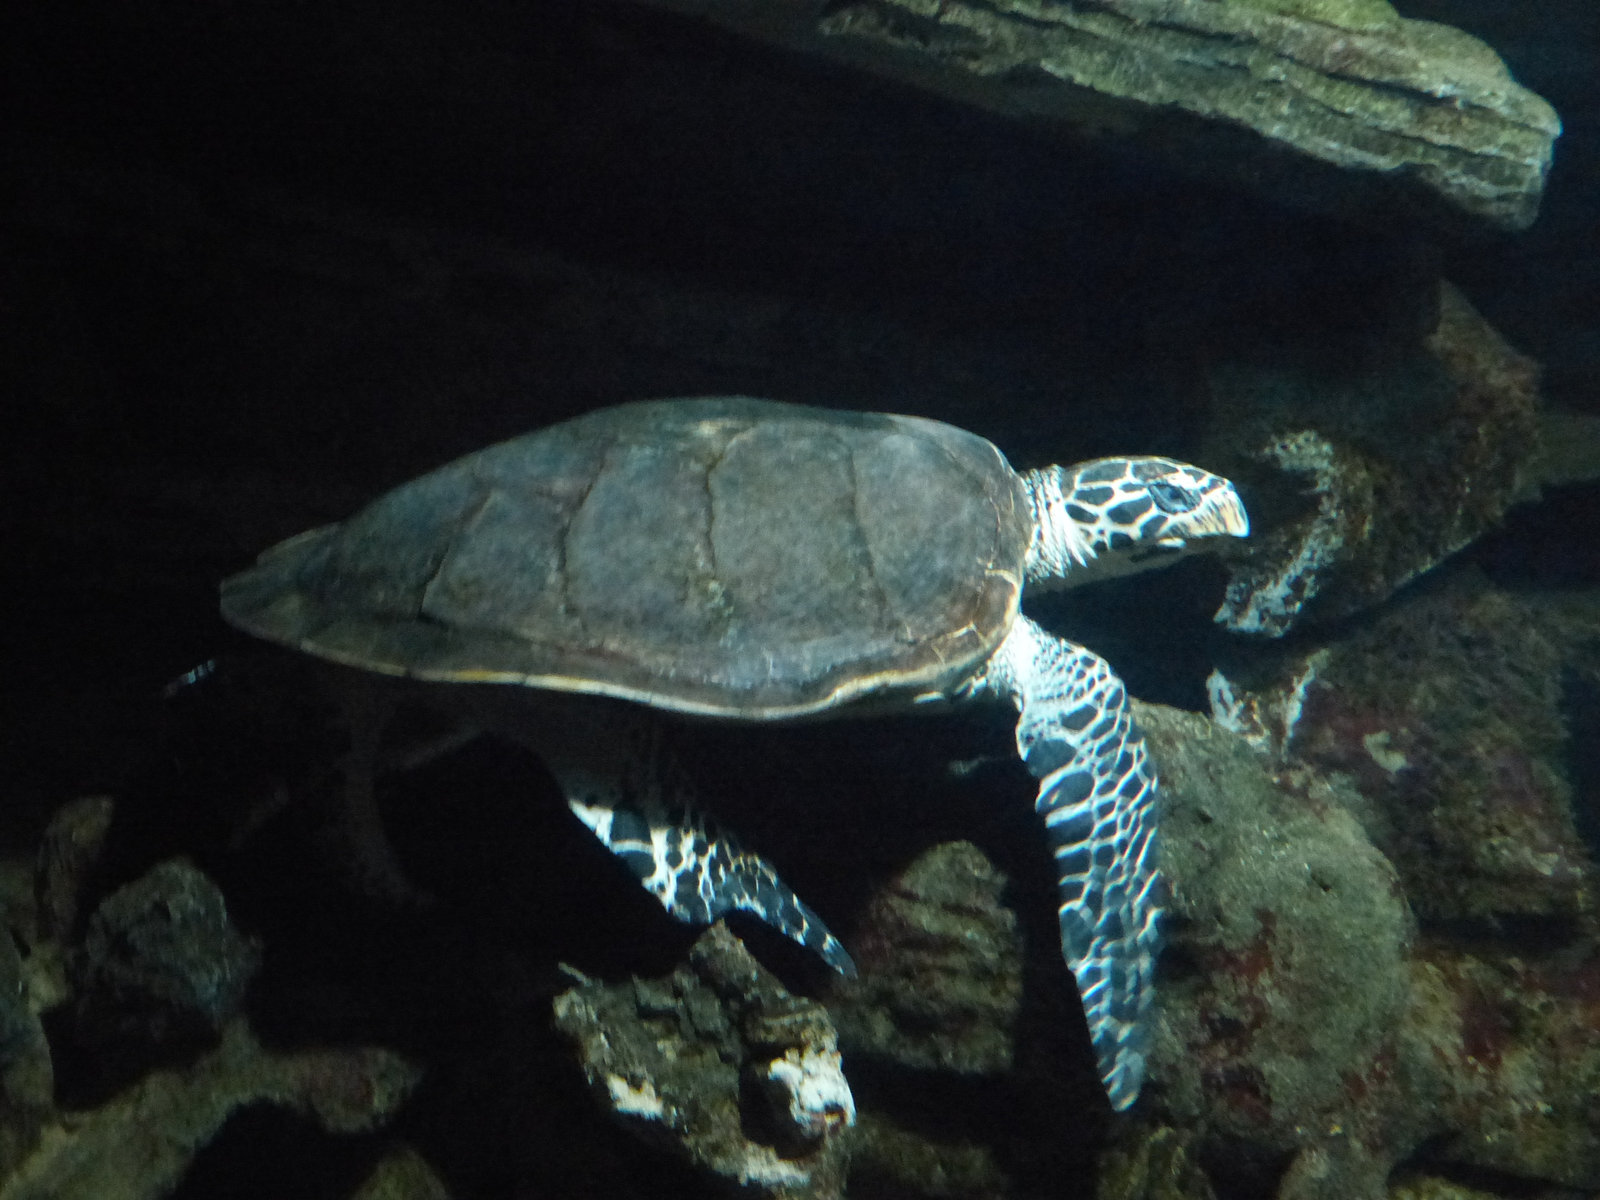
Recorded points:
(1114, 516)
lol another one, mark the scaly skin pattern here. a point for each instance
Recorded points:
(1077, 735)
(624, 786)
(1115, 516)
(1097, 791)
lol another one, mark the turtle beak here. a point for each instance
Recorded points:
(1223, 513)
(1231, 517)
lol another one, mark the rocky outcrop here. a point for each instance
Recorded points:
(942, 968)
(722, 1064)
(1309, 1036)
(1305, 1019)
(1284, 95)
(152, 995)
(1379, 472)
(1444, 720)
(139, 1145)
(161, 962)
(1296, 939)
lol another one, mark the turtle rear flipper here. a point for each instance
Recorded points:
(1097, 792)
(623, 786)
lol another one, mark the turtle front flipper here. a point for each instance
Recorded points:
(620, 784)
(1097, 792)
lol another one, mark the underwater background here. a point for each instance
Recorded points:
(263, 262)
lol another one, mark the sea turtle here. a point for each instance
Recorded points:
(752, 560)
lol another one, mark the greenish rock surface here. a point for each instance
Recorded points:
(1443, 728)
(403, 1174)
(1297, 938)
(1308, 1022)
(161, 960)
(963, 1067)
(27, 1076)
(1321, 102)
(1502, 1046)
(893, 1159)
(1309, 1036)
(1419, 1186)
(1152, 1163)
(1346, 14)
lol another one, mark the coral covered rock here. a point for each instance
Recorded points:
(722, 1064)
(1383, 470)
(1311, 1038)
(1444, 717)
(1287, 975)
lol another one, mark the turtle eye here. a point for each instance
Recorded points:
(1173, 497)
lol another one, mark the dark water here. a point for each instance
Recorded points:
(262, 263)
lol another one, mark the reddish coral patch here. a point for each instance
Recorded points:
(1486, 1029)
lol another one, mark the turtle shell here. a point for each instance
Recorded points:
(724, 555)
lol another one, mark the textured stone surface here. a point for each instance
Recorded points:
(941, 961)
(1380, 470)
(161, 961)
(1152, 1163)
(1311, 1038)
(71, 847)
(1290, 945)
(1444, 718)
(1255, 90)
(139, 1145)
(965, 1042)
(403, 1174)
(687, 1062)
(1503, 1049)
(27, 1077)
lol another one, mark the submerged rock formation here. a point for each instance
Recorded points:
(1381, 471)
(1261, 94)
(722, 1064)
